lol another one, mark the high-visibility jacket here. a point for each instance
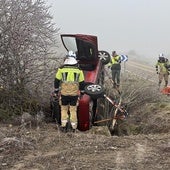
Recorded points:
(70, 78)
(70, 74)
(162, 67)
(115, 63)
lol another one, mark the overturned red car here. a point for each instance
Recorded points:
(92, 62)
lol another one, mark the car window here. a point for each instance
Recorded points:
(70, 43)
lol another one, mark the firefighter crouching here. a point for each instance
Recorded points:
(70, 79)
(162, 69)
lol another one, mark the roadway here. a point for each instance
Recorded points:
(141, 70)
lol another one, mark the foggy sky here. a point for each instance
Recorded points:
(121, 25)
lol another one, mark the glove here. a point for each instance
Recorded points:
(56, 91)
(82, 92)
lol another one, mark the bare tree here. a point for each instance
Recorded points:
(27, 43)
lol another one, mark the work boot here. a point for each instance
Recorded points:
(73, 116)
(69, 127)
(63, 129)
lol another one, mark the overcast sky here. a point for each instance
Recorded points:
(121, 25)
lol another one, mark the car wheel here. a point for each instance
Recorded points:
(94, 90)
(104, 57)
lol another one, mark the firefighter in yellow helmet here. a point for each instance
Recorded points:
(162, 67)
(70, 79)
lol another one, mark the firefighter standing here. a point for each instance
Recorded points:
(115, 65)
(162, 69)
(70, 79)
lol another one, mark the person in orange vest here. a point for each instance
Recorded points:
(162, 67)
(115, 65)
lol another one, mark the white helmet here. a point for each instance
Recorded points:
(70, 61)
(161, 55)
(71, 54)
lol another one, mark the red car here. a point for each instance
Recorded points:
(92, 62)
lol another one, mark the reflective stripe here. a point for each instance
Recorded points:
(76, 77)
(74, 125)
(70, 74)
(63, 123)
(64, 76)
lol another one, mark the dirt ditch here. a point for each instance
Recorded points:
(142, 141)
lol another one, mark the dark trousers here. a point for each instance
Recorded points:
(69, 100)
(116, 76)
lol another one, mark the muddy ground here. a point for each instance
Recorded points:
(44, 147)
(142, 141)
(48, 149)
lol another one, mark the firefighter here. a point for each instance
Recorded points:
(162, 69)
(69, 79)
(115, 65)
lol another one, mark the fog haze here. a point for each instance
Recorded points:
(123, 25)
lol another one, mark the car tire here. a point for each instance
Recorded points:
(104, 57)
(94, 90)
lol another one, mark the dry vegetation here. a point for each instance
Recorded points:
(31, 145)
(28, 56)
